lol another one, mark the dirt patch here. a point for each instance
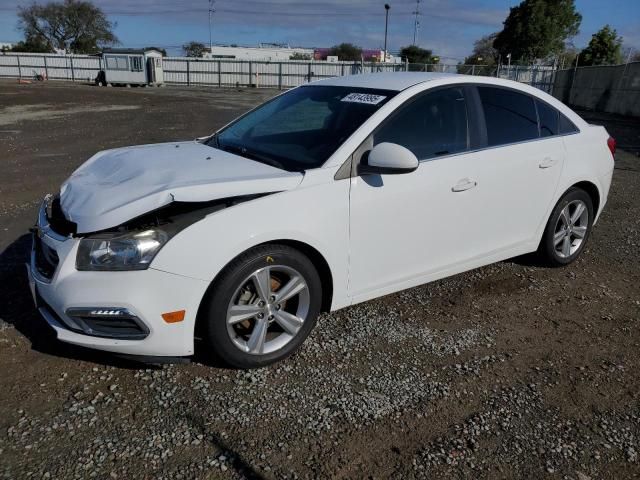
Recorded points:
(25, 113)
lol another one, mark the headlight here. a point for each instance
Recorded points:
(129, 251)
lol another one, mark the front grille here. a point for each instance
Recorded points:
(46, 258)
(58, 222)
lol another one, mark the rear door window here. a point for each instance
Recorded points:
(431, 125)
(510, 116)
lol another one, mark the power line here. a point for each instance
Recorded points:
(235, 11)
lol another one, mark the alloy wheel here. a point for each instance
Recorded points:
(571, 228)
(268, 309)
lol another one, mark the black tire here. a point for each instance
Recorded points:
(101, 79)
(213, 313)
(547, 251)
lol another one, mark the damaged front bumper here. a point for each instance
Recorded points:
(119, 312)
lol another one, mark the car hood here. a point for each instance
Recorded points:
(115, 186)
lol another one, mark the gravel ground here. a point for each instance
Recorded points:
(509, 371)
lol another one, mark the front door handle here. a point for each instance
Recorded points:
(548, 162)
(464, 184)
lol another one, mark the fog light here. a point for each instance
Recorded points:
(109, 322)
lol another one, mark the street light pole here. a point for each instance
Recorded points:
(416, 22)
(211, 10)
(386, 28)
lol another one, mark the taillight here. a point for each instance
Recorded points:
(611, 143)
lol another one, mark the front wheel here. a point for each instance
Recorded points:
(262, 307)
(568, 229)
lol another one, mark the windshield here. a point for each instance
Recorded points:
(301, 129)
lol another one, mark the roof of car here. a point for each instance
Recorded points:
(385, 80)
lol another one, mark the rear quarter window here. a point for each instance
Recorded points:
(566, 126)
(510, 116)
(549, 119)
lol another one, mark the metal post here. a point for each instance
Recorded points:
(473, 69)
(573, 78)
(626, 65)
(309, 73)
(73, 74)
(19, 69)
(280, 76)
(250, 72)
(211, 10)
(188, 73)
(46, 68)
(342, 72)
(219, 73)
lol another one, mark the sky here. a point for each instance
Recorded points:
(448, 27)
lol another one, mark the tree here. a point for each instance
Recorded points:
(77, 26)
(415, 54)
(537, 29)
(194, 49)
(346, 52)
(32, 45)
(300, 56)
(483, 51)
(605, 48)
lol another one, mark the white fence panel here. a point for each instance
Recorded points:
(9, 66)
(203, 72)
(59, 68)
(175, 70)
(265, 74)
(85, 68)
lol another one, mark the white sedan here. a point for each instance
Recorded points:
(330, 194)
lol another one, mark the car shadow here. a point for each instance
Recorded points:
(17, 309)
(527, 260)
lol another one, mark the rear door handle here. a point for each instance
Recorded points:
(548, 162)
(464, 184)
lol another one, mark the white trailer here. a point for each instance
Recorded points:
(128, 66)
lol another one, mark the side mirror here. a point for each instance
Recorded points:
(388, 158)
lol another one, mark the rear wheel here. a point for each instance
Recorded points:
(568, 228)
(262, 307)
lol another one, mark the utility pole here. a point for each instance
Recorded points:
(211, 10)
(416, 22)
(386, 27)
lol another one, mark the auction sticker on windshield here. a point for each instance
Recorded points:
(364, 98)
